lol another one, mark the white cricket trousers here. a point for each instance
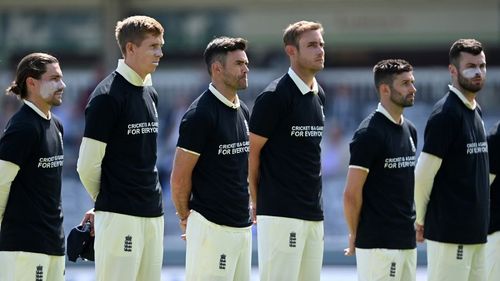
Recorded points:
(455, 262)
(217, 252)
(493, 257)
(289, 249)
(386, 264)
(128, 248)
(27, 266)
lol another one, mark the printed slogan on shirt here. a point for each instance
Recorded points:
(306, 131)
(51, 162)
(234, 148)
(142, 128)
(400, 162)
(477, 147)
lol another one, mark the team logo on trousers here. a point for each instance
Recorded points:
(222, 262)
(292, 240)
(39, 273)
(392, 272)
(127, 246)
(460, 252)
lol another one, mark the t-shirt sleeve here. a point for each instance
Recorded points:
(267, 111)
(18, 142)
(195, 129)
(414, 134)
(245, 111)
(59, 126)
(363, 148)
(154, 96)
(494, 151)
(100, 118)
(438, 134)
(322, 97)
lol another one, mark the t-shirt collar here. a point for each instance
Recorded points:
(223, 99)
(470, 105)
(37, 110)
(304, 89)
(381, 109)
(131, 76)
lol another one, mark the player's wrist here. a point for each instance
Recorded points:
(182, 217)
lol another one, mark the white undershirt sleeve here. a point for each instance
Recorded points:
(427, 168)
(492, 178)
(89, 165)
(8, 172)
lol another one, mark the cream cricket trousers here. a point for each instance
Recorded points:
(289, 249)
(455, 262)
(27, 266)
(386, 264)
(217, 252)
(128, 248)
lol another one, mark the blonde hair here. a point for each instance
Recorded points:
(292, 33)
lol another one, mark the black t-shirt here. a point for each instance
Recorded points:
(33, 217)
(388, 150)
(458, 210)
(219, 134)
(290, 163)
(124, 117)
(494, 155)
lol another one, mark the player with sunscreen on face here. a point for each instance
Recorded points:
(31, 161)
(472, 72)
(451, 177)
(50, 88)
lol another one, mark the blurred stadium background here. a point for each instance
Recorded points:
(358, 33)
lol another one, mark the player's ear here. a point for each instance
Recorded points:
(130, 48)
(384, 89)
(30, 82)
(290, 50)
(216, 67)
(453, 69)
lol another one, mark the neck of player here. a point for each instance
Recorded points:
(470, 96)
(305, 75)
(43, 106)
(228, 92)
(394, 110)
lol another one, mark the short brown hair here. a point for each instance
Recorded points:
(33, 65)
(133, 29)
(218, 48)
(384, 70)
(292, 33)
(471, 46)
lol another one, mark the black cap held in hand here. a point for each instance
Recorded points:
(80, 244)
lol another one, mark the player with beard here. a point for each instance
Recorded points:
(451, 177)
(209, 175)
(31, 161)
(378, 197)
